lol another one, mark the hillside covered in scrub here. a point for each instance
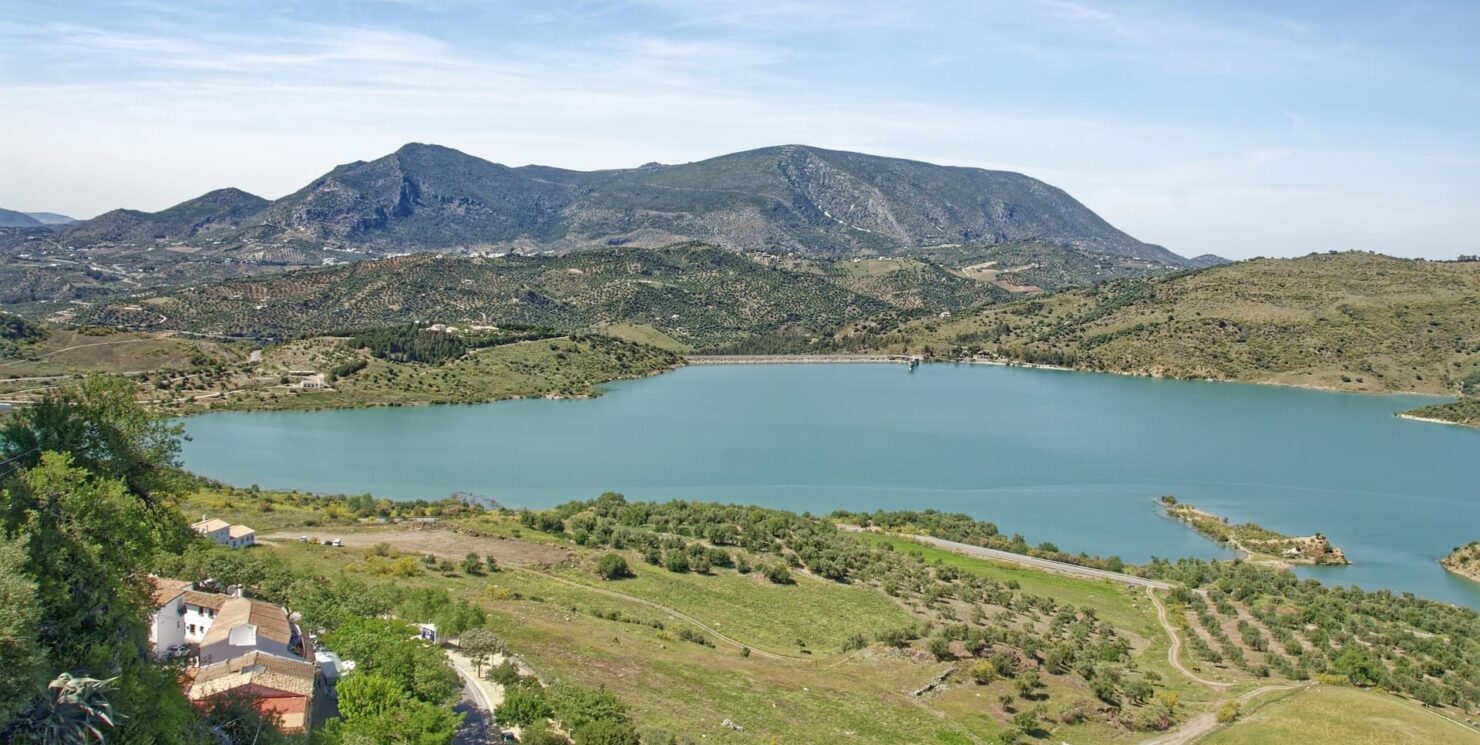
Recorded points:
(1351, 321)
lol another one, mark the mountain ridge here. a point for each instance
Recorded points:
(789, 198)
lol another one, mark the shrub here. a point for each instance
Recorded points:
(1228, 712)
(523, 706)
(778, 574)
(983, 673)
(613, 567)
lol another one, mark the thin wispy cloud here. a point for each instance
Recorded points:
(1201, 126)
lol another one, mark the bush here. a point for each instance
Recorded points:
(1228, 712)
(983, 673)
(613, 567)
(1152, 717)
(505, 673)
(607, 732)
(523, 707)
(778, 574)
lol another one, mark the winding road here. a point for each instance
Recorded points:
(1033, 562)
(1204, 723)
(1174, 652)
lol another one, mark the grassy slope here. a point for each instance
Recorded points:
(567, 631)
(564, 367)
(1352, 321)
(825, 696)
(68, 351)
(1349, 716)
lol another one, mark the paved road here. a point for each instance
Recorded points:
(478, 726)
(1034, 562)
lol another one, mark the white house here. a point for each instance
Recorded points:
(244, 625)
(241, 536)
(167, 628)
(240, 644)
(224, 533)
(201, 609)
(215, 529)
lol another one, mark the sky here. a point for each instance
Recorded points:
(1242, 129)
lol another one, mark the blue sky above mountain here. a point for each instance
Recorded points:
(1266, 128)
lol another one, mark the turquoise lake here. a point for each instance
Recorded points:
(1073, 458)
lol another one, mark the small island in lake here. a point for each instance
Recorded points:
(1259, 543)
(1464, 561)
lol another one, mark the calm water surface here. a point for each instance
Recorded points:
(1073, 458)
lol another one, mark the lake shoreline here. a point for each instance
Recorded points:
(828, 359)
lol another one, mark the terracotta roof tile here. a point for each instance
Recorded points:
(211, 600)
(166, 590)
(254, 668)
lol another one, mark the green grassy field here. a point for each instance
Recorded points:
(1349, 716)
(687, 650)
(815, 615)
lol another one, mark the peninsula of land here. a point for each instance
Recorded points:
(1259, 544)
(1464, 561)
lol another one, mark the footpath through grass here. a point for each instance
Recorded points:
(1329, 714)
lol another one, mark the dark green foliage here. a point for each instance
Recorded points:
(102, 429)
(961, 528)
(21, 657)
(17, 329)
(613, 566)
(345, 369)
(1399, 642)
(387, 648)
(91, 503)
(413, 343)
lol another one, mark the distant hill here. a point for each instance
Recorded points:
(13, 219)
(685, 296)
(1351, 321)
(219, 211)
(51, 218)
(790, 198)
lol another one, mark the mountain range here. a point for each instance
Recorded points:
(790, 198)
(14, 219)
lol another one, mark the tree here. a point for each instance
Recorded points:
(540, 734)
(612, 567)
(88, 543)
(107, 433)
(379, 709)
(480, 644)
(505, 673)
(236, 718)
(607, 732)
(523, 706)
(369, 695)
(21, 657)
(386, 647)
